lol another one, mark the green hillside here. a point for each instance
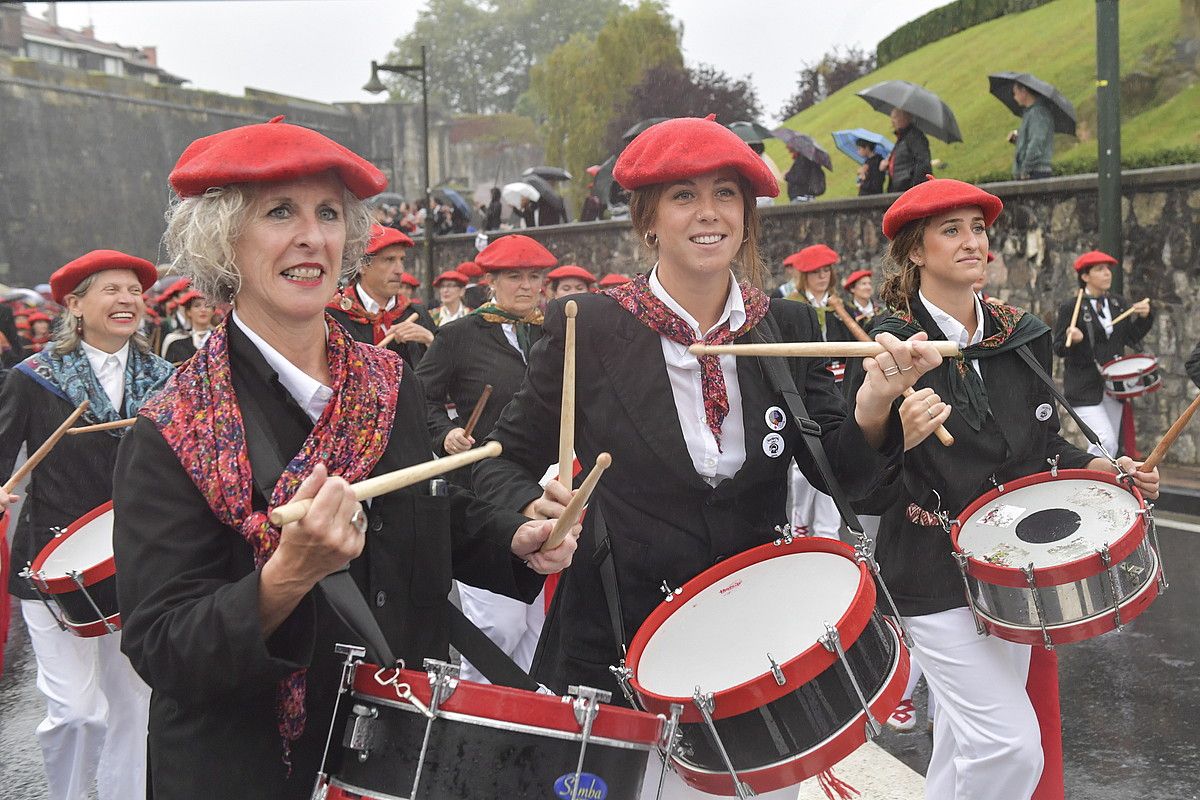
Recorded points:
(1056, 42)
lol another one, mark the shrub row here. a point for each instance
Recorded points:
(946, 21)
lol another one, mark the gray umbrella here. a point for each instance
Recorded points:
(803, 144)
(1001, 84)
(548, 173)
(928, 111)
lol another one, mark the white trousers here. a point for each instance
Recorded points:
(1105, 420)
(674, 787)
(812, 510)
(97, 711)
(986, 740)
(514, 626)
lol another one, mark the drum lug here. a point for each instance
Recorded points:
(1037, 604)
(361, 734)
(776, 671)
(786, 534)
(74, 576)
(669, 592)
(624, 674)
(443, 681)
(706, 703)
(668, 742)
(586, 706)
(1053, 462)
(961, 560)
(1113, 592)
(832, 641)
(29, 575)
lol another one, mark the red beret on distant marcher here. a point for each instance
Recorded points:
(382, 238)
(266, 153)
(812, 258)
(175, 288)
(570, 271)
(37, 316)
(188, 297)
(408, 279)
(1091, 259)
(515, 252)
(470, 269)
(855, 277)
(682, 148)
(67, 277)
(613, 279)
(936, 196)
(453, 276)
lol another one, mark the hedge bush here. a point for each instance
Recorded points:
(946, 21)
(1085, 164)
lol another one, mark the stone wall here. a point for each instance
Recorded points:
(1045, 226)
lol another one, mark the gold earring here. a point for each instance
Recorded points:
(650, 239)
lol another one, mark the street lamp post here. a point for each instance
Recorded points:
(376, 86)
(1108, 129)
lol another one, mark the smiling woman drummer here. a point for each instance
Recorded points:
(700, 446)
(221, 616)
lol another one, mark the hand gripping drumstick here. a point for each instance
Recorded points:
(1128, 311)
(810, 349)
(574, 508)
(477, 411)
(1160, 450)
(44, 450)
(391, 337)
(103, 426)
(857, 332)
(566, 420)
(391, 481)
(1075, 313)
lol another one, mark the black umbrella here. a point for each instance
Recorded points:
(1001, 84)
(548, 198)
(803, 144)
(641, 126)
(928, 111)
(549, 173)
(751, 132)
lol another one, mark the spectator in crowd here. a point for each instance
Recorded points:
(11, 349)
(805, 179)
(491, 215)
(593, 206)
(567, 280)
(1035, 138)
(870, 174)
(909, 162)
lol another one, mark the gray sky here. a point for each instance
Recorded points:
(321, 49)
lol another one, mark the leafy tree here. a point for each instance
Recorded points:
(835, 69)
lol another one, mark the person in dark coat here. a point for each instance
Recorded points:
(670, 502)
(94, 734)
(805, 179)
(221, 609)
(987, 742)
(1192, 365)
(494, 211)
(870, 174)
(909, 163)
(478, 292)
(11, 349)
(1094, 342)
(182, 345)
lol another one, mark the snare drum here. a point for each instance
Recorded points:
(1126, 377)
(775, 654)
(430, 735)
(1058, 557)
(76, 573)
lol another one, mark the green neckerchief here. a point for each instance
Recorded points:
(968, 395)
(494, 313)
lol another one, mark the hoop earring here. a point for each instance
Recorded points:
(650, 239)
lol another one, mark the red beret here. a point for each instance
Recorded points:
(452, 275)
(37, 316)
(408, 279)
(67, 277)
(175, 288)
(570, 271)
(614, 279)
(188, 297)
(515, 252)
(382, 237)
(1091, 259)
(812, 258)
(269, 152)
(855, 277)
(686, 147)
(936, 196)
(469, 268)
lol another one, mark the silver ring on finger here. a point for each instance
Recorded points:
(890, 371)
(906, 369)
(358, 520)
(932, 415)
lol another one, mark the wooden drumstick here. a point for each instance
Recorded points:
(103, 426)
(473, 420)
(574, 508)
(1075, 313)
(391, 481)
(1128, 311)
(391, 337)
(44, 450)
(810, 349)
(944, 436)
(1160, 450)
(566, 420)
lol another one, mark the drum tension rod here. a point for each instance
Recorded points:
(441, 676)
(667, 745)
(353, 655)
(1037, 604)
(786, 534)
(29, 575)
(1053, 462)
(1152, 527)
(586, 706)
(74, 576)
(670, 593)
(624, 674)
(832, 641)
(706, 703)
(1112, 585)
(862, 555)
(961, 559)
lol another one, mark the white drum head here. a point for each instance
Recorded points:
(1049, 524)
(86, 547)
(721, 637)
(1129, 366)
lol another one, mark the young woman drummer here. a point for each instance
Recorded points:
(96, 706)
(700, 446)
(986, 738)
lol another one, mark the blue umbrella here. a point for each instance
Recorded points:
(454, 198)
(845, 141)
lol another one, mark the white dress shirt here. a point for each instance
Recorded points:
(110, 370)
(683, 369)
(955, 331)
(307, 391)
(369, 303)
(445, 316)
(200, 338)
(863, 311)
(1103, 313)
(510, 333)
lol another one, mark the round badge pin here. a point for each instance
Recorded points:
(776, 419)
(1043, 412)
(773, 445)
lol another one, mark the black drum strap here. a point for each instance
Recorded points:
(495, 664)
(602, 557)
(1029, 358)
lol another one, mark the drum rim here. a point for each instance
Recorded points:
(1132, 393)
(1067, 572)
(90, 630)
(92, 575)
(797, 670)
(503, 704)
(1126, 375)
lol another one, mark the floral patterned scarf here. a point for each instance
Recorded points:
(196, 418)
(638, 299)
(494, 313)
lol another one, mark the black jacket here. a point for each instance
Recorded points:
(664, 521)
(1082, 383)
(1192, 365)
(411, 352)
(916, 561)
(910, 160)
(188, 594)
(804, 178)
(8, 327)
(873, 182)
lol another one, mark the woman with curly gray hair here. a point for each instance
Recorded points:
(222, 617)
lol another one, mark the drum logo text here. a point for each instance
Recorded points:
(731, 586)
(591, 787)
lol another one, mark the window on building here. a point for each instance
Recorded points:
(114, 66)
